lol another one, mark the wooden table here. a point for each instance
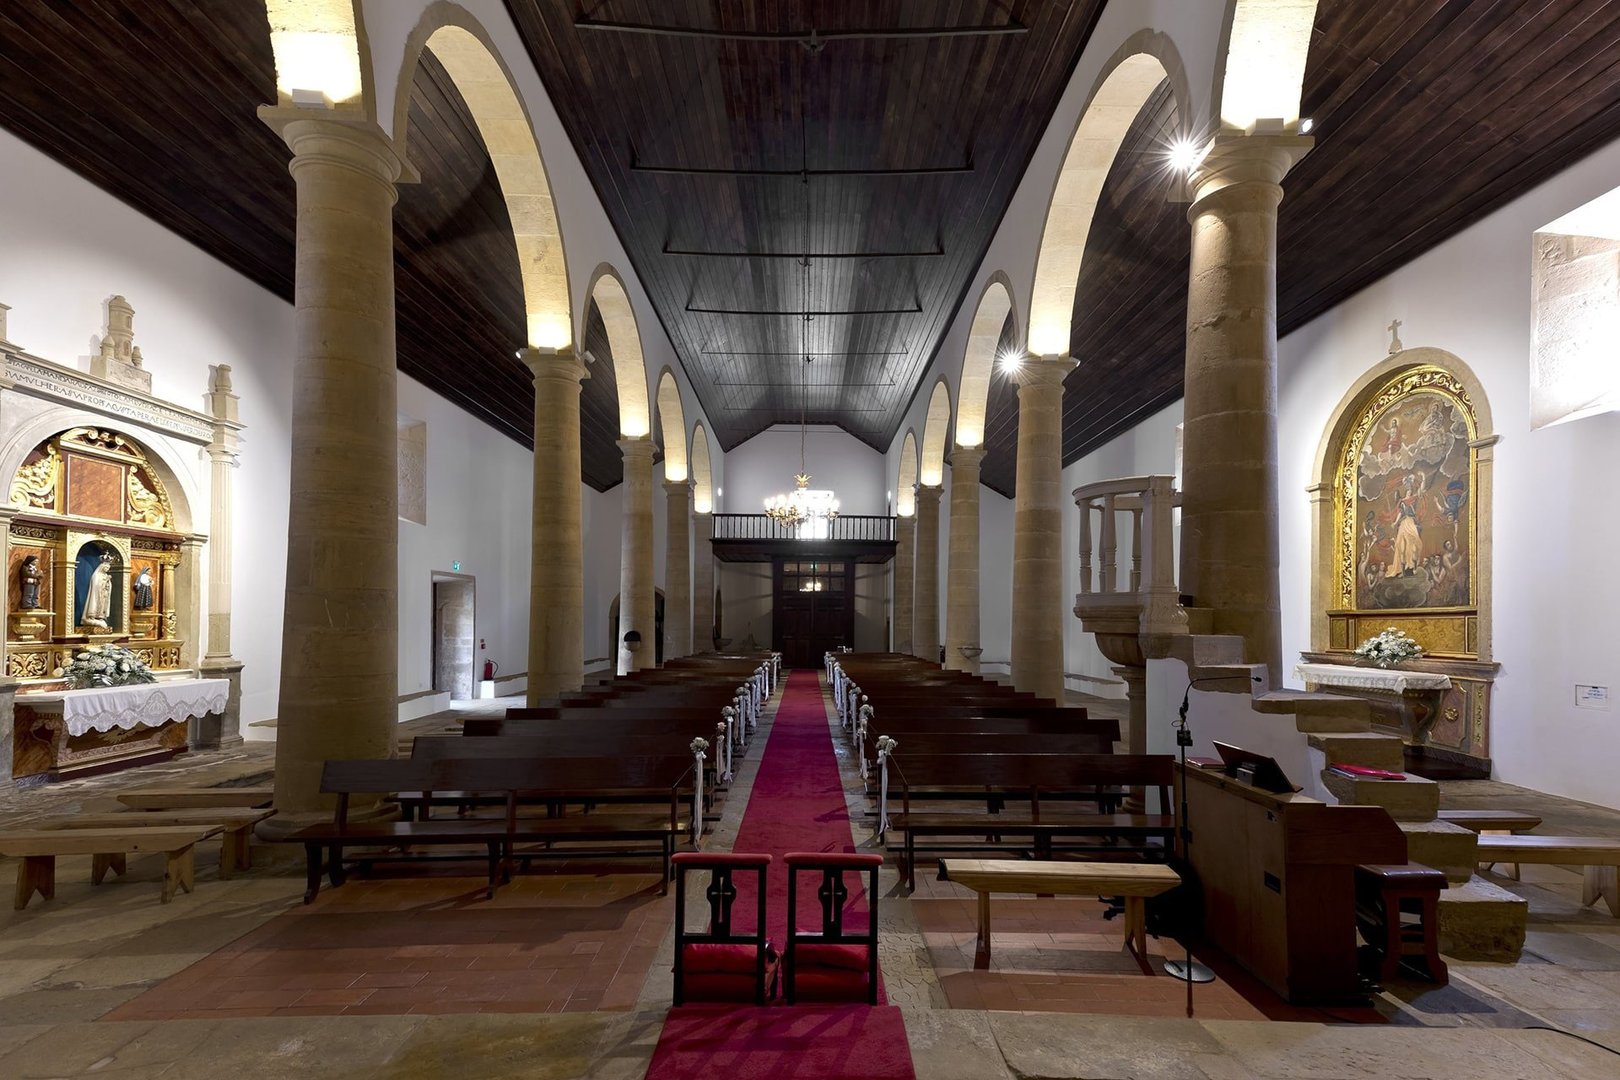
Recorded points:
(1136, 882)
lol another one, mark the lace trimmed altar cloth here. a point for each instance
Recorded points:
(122, 708)
(1387, 680)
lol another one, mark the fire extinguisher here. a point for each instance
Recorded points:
(489, 665)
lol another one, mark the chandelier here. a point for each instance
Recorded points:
(810, 512)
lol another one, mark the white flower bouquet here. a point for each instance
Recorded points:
(104, 665)
(1389, 648)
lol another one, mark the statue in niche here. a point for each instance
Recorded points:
(29, 577)
(143, 589)
(98, 595)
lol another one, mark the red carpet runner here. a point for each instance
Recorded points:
(797, 805)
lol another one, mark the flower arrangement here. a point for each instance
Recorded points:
(1389, 648)
(105, 665)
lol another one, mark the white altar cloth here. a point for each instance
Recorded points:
(107, 708)
(1388, 680)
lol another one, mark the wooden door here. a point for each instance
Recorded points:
(813, 609)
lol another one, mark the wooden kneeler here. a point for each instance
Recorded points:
(109, 850)
(831, 964)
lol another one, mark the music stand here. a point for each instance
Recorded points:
(1255, 769)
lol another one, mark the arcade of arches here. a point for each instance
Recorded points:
(1217, 408)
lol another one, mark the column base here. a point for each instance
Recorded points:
(220, 731)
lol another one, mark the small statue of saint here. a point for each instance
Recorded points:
(143, 589)
(29, 577)
(98, 597)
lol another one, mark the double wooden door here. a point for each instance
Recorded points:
(813, 610)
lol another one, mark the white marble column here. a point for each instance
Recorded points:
(340, 630)
(217, 662)
(703, 581)
(557, 552)
(925, 630)
(1229, 522)
(1037, 600)
(962, 563)
(637, 592)
(677, 568)
(905, 561)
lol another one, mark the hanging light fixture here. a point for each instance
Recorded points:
(808, 511)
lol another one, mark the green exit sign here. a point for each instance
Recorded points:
(456, 566)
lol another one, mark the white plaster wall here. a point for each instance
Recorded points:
(764, 466)
(995, 581)
(746, 602)
(1556, 607)
(68, 246)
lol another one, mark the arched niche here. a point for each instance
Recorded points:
(1401, 528)
(82, 497)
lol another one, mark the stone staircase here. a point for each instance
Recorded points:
(1478, 920)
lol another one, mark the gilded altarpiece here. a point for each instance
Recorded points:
(1405, 551)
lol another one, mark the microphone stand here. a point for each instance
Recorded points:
(1189, 970)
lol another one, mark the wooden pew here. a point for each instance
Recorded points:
(108, 848)
(181, 798)
(1036, 792)
(563, 780)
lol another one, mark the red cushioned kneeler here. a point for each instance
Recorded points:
(719, 965)
(830, 965)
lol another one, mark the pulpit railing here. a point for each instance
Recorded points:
(1145, 506)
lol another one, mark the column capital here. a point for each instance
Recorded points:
(928, 494)
(967, 457)
(636, 447)
(560, 365)
(678, 487)
(1048, 370)
(1239, 159)
(330, 138)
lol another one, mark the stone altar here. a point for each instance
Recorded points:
(59, 735)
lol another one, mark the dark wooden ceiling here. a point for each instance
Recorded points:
(631, 101)
(1429, 114)
(156, 104)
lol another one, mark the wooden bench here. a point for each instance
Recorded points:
(1492, 823)
(1135, 882)
(1597, 856)
(562, 780)
(108, 849)
(236, 825)
(185, 798)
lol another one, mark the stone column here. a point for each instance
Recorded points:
(1229, 530)
(925, 631)
(905, 561)
(702, 581)
(170, 593)
(557, 551)
(340, 630)
(677, 568)
(1037, 600)
(215, 732)
(637, 592)
(962, 563)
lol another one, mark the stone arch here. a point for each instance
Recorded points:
(936, 430)
(1329, 461)
(624, 338)
(672, 426)
(1261, 67)
(979, 359)
(463, 47)
(1145, 60)
(702, 472)
(320, 47)
(905, 495)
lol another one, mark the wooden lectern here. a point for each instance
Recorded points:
(1277, 873)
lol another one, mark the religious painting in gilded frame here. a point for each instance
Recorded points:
(1405, 495)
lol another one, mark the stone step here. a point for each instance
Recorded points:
(1316, 713)
(1450, 849)
(1482, 921)
(1412, 799)
(1200, 621)
(1215, 650)
(1367, 748)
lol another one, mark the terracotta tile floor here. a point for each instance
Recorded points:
(1060, 955)
(568, 941)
